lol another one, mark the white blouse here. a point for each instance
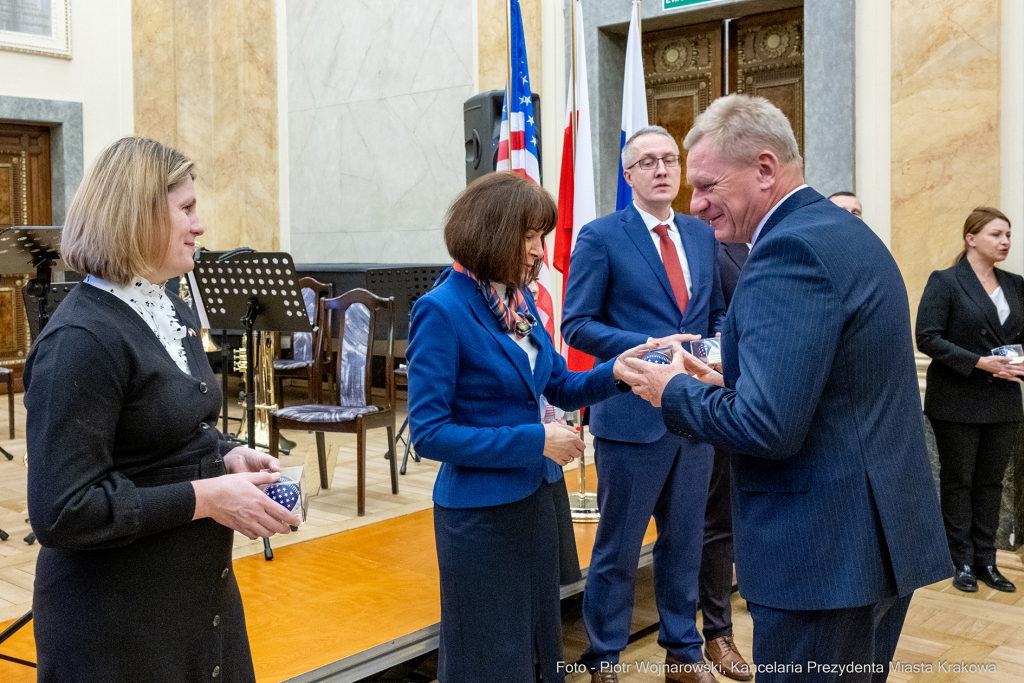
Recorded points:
(151, 303)
(1002, 307)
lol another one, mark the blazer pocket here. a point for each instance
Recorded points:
(789, 480)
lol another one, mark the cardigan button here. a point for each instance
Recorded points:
(224, 574)
(216, 671)
(216, 620)
(984, 331)
(203, 425)
(531, 405)
(203, 388)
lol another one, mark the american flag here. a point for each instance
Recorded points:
(285, 493)
(518, 125)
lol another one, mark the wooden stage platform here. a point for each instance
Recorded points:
(340, 607)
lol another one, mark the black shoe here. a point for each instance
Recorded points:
(993, 579)
(965, 580)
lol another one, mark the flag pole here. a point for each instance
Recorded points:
(639, 24)
(575, 80)
(508, 76)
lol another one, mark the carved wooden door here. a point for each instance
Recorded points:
(767, 60)
(24, 200)
(686, 68)
(683, 76)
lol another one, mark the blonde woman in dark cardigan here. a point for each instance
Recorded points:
(132, 492)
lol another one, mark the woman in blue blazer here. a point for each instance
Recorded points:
(478, 363)
(966, 312)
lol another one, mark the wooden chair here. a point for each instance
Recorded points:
(306, 344)
(354, 411)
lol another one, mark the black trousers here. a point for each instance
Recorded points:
(850, 645)
(500, 609)
(717, 557)
(972, 463)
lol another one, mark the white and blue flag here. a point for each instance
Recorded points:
(634, 100)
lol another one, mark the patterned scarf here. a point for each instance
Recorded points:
(517, 319)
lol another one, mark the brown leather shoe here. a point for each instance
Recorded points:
(726, 659)
(604, 677)
(684, 672)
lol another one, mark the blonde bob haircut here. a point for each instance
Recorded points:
(118, 225)
(740, 127)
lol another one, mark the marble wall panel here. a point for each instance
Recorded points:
(945, 128)
(493, 42)
(341, 52)
(153, 69)
(375, 127)
(206, 82)
(829, 57)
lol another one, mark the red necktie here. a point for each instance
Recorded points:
(670, 257)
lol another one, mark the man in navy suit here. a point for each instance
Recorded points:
(641, 273)
(835, 516)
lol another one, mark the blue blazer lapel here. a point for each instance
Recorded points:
(515, 354)
(634, 226)
(797, 201)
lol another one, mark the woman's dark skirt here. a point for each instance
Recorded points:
(500, 616)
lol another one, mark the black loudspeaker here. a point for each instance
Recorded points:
(481, 115)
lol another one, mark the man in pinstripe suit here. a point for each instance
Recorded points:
(835, 517)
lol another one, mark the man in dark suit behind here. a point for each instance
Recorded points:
(835, 517)
(638, 273)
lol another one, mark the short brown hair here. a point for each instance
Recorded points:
(978, 219)
(118, 225)
(485, 227)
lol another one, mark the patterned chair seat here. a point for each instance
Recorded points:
(280, 364)
(314, 412)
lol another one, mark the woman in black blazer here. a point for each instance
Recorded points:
(973, 397)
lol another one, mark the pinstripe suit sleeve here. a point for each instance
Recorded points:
(788, 324)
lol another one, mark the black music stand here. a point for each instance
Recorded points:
(262, 291)
(24, 249)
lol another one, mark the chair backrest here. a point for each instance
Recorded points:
(359, 311)
(305, 344)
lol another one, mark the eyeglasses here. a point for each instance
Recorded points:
(648, 163)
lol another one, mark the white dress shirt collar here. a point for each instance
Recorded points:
(651, 222)
(757, 233)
